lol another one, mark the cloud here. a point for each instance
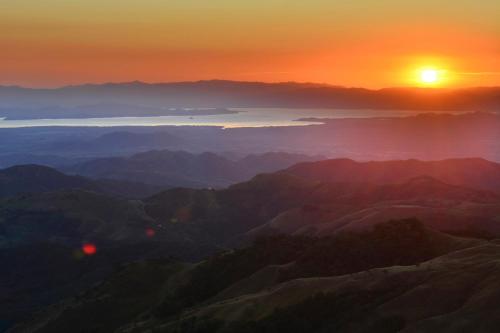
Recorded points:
(479, 73)
(263, 73)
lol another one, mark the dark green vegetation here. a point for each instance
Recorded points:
(403, 242)
(129, 292)
(43, 273)
(343, 312)
(167, 297)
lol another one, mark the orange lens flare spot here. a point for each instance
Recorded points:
(89, 249)
(150, 232)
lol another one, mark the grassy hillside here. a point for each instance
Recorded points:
(276, 284)
(301, 215)
(457, 292)
(469, 172)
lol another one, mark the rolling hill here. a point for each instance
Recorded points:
(469, 172)
(194, 223)
(36, 178)
(184, 169)
(368, 282)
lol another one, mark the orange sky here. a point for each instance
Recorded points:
(353, 43)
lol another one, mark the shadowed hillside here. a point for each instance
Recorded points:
(469, 172)
(179, 168)
(36, 178)
(284, 283)
(190, 224)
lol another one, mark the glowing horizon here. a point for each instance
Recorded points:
(371, 44)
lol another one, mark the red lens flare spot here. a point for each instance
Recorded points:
(150, 232)
(89, 249)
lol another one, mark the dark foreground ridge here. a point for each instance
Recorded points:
(368, 282)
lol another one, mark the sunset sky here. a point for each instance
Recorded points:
(371, 43)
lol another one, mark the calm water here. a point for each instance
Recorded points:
(260, 117)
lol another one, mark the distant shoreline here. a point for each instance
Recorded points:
(88, 112)
(224, 118)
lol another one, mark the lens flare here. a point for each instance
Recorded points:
(89, 249)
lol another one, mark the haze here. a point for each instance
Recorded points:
(369, 44)
(257, 166)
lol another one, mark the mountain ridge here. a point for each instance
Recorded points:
(254, 290)
(38, 178)
(184, 169)
(221, 93)
(472, 172)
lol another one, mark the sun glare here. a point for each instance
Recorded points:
(429, 76)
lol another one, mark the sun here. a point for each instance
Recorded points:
(430, 72)
(429, 76)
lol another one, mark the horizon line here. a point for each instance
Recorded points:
(305, 83)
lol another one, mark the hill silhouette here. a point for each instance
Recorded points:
(220, 93)
(470, 172)
(184, 169)
(36, 178)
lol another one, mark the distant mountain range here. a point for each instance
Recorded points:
(179, 168)
(142, 174)
(221, 94)
(119, 142)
